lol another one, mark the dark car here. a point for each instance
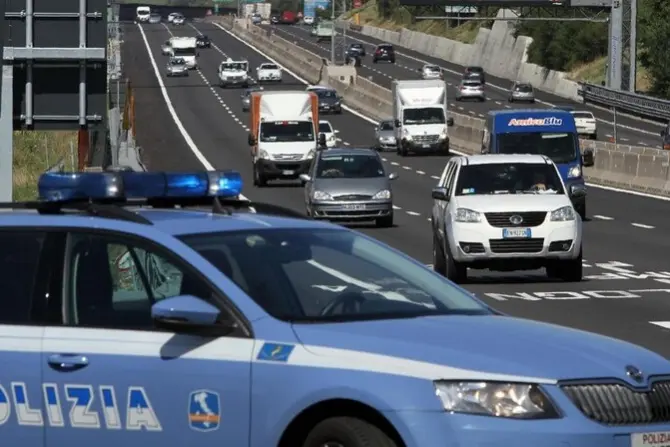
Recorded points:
(203, 41)
(329, 100)
(474, 71)
(353, 57)
(384, 52)
(357, 48)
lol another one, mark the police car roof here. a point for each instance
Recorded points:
(344, 151)
(504, 158)
(175, 222)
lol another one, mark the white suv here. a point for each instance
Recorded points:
(585, 123)
(505, 213)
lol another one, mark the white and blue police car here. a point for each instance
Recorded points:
(145, 309)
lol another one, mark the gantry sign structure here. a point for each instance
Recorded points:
(621, 15)
(54, 73)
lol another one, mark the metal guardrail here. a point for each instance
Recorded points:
(642, 105)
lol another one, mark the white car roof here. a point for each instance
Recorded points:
(504, 158)
(325, 122)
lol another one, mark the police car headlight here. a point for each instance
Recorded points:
(575, 172)
(320, 195)
(264, 155)
(467, 216)
(505, 400)
(564, 213)
(382, 195)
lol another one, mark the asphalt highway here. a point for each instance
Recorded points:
(627, 286)
(408, 65)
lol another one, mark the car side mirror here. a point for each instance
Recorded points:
(252, 140)
(578, 190)
(305, 178)
(440, 194)
(393, 175)
(336, 131)
(450, 122)
(397, 123)
(588, 158)
(322, 139)
(186, 313)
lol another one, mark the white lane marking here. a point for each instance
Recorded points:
(413, 213)
(600, 217)
(375, 122)
(645, 226)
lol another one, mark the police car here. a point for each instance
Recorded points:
(143, 309)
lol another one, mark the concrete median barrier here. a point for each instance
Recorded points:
(635, 168)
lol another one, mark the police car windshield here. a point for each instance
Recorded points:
(560, 147)
(508, 178)
(324, 275)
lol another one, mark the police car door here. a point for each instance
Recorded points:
(112, 379)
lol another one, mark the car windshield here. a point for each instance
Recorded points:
(524, 88)
(471, 84)
(184, 51)
(587, 115)
(430, 115)
(508, 178)
(313, 275)
(177, 61)
(269, 67)
(349, 166)
(560, 147)
(287, 131)
(325, 127)
(386, 125)
(323, 93)
(474, 70)
(234, 66)
(431, 69)
(202, 37)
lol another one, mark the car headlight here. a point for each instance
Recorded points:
(309, 155)
(443, 134)
(406, 134)
(264, 155)
(575, 171)
(505, 400)
(563, 214)
(467, 215)
(320, 195)
(382, 195)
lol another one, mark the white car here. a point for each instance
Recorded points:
(179, 20)
(171, 16)
(431, 72)
(166, 48)
(586, 124)
(327, 130)
(309, 20)
(268, 72)
(505, 213)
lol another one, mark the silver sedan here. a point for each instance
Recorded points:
(385, 136)
(521, 92)
(431, 72)
(470, 90)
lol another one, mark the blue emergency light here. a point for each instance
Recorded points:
(64, 186)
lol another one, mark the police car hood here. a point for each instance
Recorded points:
(481, 346)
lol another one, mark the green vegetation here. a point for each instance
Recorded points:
(34, 153)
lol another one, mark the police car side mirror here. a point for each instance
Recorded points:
(184, 312)
(450, 122)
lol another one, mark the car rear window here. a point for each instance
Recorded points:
(587, 115)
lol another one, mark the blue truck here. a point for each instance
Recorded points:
(549, 132)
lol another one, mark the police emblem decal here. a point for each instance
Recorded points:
(204, 410)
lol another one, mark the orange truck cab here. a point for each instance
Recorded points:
(283, 134)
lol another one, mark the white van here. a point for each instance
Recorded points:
(142, 13)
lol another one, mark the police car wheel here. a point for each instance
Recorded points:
(347, 432)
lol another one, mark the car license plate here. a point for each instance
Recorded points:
(426, 146)
(509, 233)
(653, 439)
(354, 207)
(288, 172)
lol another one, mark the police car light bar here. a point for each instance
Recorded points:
(69, 186)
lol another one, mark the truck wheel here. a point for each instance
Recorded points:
(259, 180)
(581, 210)
(347, 431)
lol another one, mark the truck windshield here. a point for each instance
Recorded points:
(431, 115)
(183, 51)
(287, 131)
(560, 147)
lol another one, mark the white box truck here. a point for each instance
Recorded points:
(420, 114)
(185, 48)
(283, 134)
